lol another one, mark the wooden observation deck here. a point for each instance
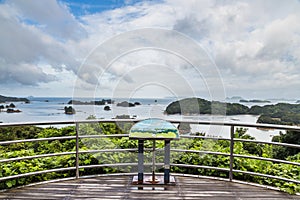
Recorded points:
(120, 187)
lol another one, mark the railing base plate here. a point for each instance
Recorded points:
(147, 180)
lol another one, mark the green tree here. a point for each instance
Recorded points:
(291, 137)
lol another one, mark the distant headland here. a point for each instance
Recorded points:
(4, 99)
(280, 113)
(254, 101)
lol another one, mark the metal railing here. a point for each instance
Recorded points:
(78, 137)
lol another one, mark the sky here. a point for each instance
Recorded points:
(130, 48)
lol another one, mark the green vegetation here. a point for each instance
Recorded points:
(22, 149)
(201, 106)
(244, 164)
(281, 113)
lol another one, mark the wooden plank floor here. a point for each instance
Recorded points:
(120, 187)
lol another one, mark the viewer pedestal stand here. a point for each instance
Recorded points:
(153, 179)
(153, 129)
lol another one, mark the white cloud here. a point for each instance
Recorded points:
(51, 17)
(25, 47)
(255, 44)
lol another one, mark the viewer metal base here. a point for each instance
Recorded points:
(147, 180)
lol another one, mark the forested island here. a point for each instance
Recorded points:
(281, 113)
(4, 99)
(191, 106)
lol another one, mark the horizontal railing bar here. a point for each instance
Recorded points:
(272, 143)
(108, 150)
(106, 165)
(243, 140)
(118, 150)
(61, 138)
(36, 156)
(103, 136)
(237, 171)
(203, 137)
(36, 173)
(66, 122)
(267, 159)
(201, 152)
(126, 135)
(70, 153)
(218, 123)
(238, 124)
(37, 140)
(134, 150)
(117, 165)
(267, 176)
(200, 166)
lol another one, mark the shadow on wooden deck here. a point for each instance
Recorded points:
(120, 187)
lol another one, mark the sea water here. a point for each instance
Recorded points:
(52, 109)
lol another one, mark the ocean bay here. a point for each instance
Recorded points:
(52, 109)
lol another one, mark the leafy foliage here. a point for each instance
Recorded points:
(281, 113)
(205, 158)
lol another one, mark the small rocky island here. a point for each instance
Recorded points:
(107, 108)
(9, 108)
(128, 104)
(69, 110)
(254, 101)
(100, 103)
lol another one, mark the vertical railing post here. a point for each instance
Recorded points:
(231, 153)
(140, 161)
(167, 162)
(153, 162)
(77, 150)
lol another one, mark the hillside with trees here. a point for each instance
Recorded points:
(281, 113)
(191, 106)
(4, 99)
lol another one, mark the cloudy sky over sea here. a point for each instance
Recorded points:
(150, 48)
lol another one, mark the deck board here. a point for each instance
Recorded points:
(120, 187)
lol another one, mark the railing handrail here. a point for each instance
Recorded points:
(199, 122)
(77, 152)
